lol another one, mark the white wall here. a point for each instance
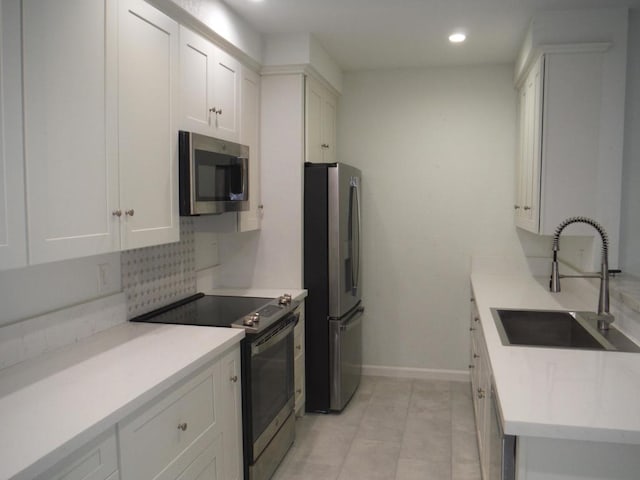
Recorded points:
(436, 148)
(630, 222)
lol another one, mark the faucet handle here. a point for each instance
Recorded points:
(604, 320)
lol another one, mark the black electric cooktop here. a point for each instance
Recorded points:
(217, 311)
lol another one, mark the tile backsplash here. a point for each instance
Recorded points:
(155, 276)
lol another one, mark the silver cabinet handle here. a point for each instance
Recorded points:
(516, 207)
(129, 212)
(475, 355)
(217, 111)
(325, 145)
(234, 379)
(472, 366)
(481, 393)
(117, 213)
(527, 208)
(471, 329)
(182, 426)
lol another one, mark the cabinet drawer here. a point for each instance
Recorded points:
(207, 465)
(169, 434)
(97, 460)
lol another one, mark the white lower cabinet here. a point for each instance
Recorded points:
(98, 460)
(193, 431)
(481, 390)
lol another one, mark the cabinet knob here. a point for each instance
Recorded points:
(471, 329)
(117, 213)
(527, 208)
(475, 355)
(298, 347)
(217, 111)
(472, 366)
(325, 145)
(516, 207)
(299, 391)
(129, 212)
(481, 393)
(475, 319)
(182, 426)
(261, 207)
(234, 379)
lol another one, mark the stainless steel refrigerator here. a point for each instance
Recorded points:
(332, 266)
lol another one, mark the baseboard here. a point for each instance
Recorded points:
(416, 373)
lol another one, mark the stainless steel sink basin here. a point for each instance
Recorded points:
(558, 329)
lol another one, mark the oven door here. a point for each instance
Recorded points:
(269, 384)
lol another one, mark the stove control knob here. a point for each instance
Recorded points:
(285, 299)
(251, 319)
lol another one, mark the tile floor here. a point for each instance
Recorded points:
(393, 429)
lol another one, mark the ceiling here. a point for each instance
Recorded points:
(376, 34)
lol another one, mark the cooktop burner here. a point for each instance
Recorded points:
(218, 311)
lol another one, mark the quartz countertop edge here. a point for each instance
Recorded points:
(550, 392)
(53, 404)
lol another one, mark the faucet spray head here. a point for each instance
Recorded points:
(554, 282)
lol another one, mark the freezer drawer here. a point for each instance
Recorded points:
(345, 351)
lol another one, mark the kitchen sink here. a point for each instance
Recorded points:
(558, 329)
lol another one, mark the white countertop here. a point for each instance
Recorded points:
(557, 393)
(55, 403)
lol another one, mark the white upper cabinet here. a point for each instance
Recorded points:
(69, 128)
(527, 212)
(13, 242)
(100, 93)
(210, 88)
(250, 135)
(148, 74)
(560, 130)
(320, 123)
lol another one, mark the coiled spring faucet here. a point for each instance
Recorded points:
(604, 317)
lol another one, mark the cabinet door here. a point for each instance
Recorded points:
(97, 460)
(147, 108)
(208, 465)
(313, 121)
(250, 135)
(232, 416)
(328, 145)
(13, 241)
(69, 128)
(226, 96)
(529, 162)
(320, 123)
(196, 63)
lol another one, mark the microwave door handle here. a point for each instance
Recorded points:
(245, 178)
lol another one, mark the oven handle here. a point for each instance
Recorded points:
(269, 342)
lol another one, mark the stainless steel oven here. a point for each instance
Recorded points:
(268, 383)
(266, 366)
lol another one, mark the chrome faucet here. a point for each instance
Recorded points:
(604, 317)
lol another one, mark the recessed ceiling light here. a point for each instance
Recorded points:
(457, 37)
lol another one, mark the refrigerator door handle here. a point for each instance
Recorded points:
(347, 324)
(354, 213)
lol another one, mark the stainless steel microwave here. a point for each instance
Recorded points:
(214, 175)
